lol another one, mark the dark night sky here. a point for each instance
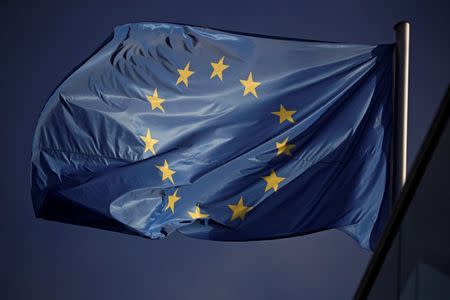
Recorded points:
(41, 42)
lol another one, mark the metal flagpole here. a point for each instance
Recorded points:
(401, 81)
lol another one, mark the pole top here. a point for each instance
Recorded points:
(401, 24)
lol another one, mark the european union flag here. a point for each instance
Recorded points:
(219, 135)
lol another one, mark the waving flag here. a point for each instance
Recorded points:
(218, 135)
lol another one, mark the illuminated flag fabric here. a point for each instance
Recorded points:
(219, 135)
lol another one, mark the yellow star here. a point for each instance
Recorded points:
(272, 181)
(285, 148)
(239, 209)
(156, 102)
(197, 214)
(149, 142)
(166, 172)
(218, 68)
(250, 85)
(172, 200)
(285, 114)
(184, 74)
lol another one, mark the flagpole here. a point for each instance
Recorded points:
(401, 82)
(400, 136)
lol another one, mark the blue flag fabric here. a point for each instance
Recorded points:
(219, 135)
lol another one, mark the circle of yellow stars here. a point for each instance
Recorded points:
(238, 210)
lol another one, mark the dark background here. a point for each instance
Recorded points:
(41, 41)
